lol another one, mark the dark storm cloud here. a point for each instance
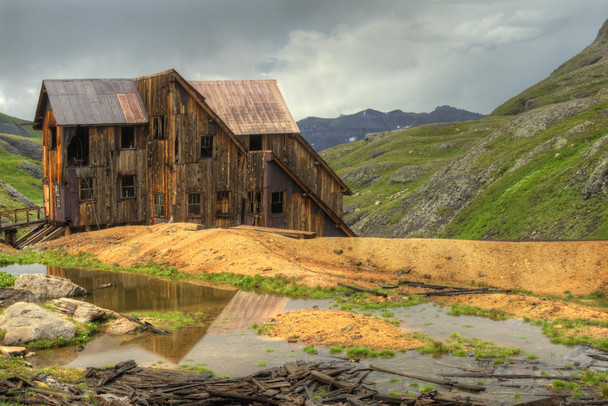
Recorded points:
(330, 57)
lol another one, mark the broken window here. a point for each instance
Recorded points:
(127, 187)
(223, 202)
(255, 143)
(277, 203)
(78, 147)
(127, 137)
(86, 189)
(159, 205)
(194, 204)
(53, 134)
(206, 146)
(158, 130)
(254, 202)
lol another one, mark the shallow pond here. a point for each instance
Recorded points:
(227, 346)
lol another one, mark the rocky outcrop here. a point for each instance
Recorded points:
(408, 174)
(80, 311)
(10, 296)
(48, 286)
(25, 322)
(597, 182)
(15, 194)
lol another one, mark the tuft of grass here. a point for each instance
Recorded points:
(262, 363)
(310, 350)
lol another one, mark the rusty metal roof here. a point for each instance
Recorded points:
(95, 101)
(248, 106)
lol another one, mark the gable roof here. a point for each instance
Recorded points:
(92, 102)
(248, 106)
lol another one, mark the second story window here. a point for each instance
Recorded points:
(127, 187)
(207, 146)
(127, 137)
(158, 128)
(53, 135)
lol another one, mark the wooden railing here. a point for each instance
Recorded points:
(29, 216)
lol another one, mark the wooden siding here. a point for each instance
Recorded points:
(175, 165)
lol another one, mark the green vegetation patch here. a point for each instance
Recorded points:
(460, 346)
(175, 320)
(6, 279)
(572, 332)
(463, 309)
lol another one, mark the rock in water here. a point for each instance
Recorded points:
(9, 296)
(81, 311)
(24, 322)
(48, 286)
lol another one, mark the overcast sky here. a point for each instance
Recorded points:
(329, 57)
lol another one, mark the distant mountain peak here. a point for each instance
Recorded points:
(602, 34)
(324, 133)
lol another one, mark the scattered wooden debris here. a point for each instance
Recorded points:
(147, 326)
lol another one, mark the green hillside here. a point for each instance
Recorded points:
(537, 168)
(20, 164)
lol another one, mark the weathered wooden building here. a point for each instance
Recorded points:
(159, 148)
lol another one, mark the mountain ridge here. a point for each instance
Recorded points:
(323, 133)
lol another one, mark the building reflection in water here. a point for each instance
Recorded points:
(229, 310)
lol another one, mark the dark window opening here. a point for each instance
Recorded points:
(57, 195)
(212, 130)
(206, 146)
(159, 205)
(53, 133)
(223, 202)
(277, 203)
(158, 130)
(78, 148)
(194, 204)
(86, 189)
(127, 187)
(254, 202)
(127, 137)
(255, 143)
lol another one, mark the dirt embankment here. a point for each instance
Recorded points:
(545, 268)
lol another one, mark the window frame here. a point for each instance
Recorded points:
(254, 202)
(280, 193)
(130, 129)
(124, 188)
(57, 196)
(158, 128)
(53, 137)
(90, 189)
(158, 206)
(206, 150)
(190, 204)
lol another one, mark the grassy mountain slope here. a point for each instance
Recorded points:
(20, 164)
(537, 168)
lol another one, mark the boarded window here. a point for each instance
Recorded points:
(255, 143)
(206, 146)
(57, 195)
(277, 203)
(223, 203)
(254, 202)
(53, 134)
(86, 189)
(127, 187)
(127, 137)
(212, 130)
(159, 205)
(194, 204)
(78, 148)
(158, 130)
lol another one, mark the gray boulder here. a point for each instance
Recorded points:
(81, 311)
(10, 296)
(25, 322)
(48, 286)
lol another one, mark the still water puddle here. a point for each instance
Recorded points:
(227, 346)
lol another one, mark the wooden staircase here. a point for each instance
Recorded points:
(42, 233)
